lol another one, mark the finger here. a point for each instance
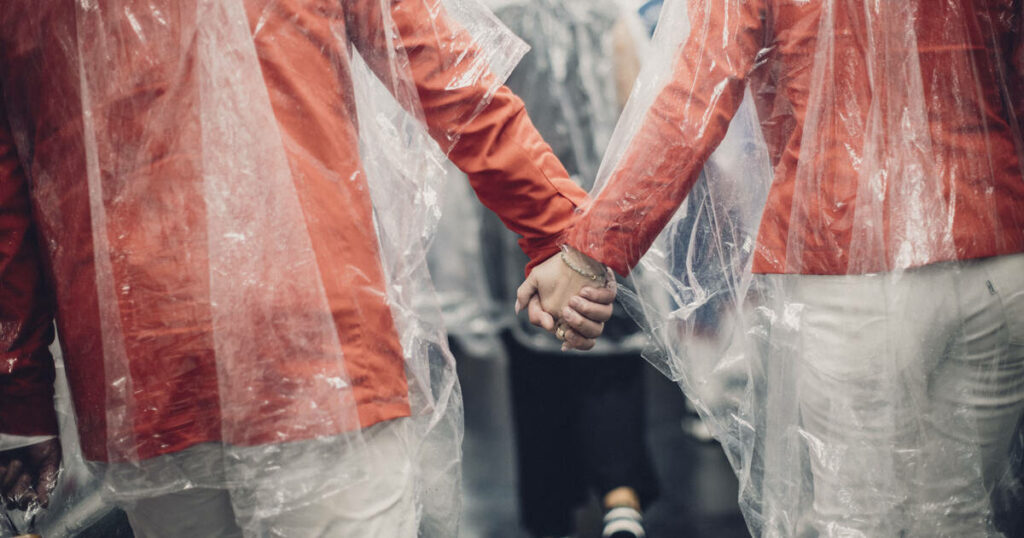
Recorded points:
(604, 295)
(586, 328)
(538, 316)
(574, 340)
(47, 482)
(526, 291)
(597, 312)
(22, 494)
(13, 472)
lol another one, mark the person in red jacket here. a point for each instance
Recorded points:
(231, 209)
(888, 267)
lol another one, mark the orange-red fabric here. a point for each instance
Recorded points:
(158, 241)
(769, 45)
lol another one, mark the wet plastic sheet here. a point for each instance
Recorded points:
(839, 182)
(406, 191)
(260, 286)
(457, 265)
(239, 304)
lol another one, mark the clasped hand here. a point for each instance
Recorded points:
(29, 474)
(562, 300)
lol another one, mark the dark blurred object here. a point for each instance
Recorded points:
(698, 488)
(113, 525)
(1008, 496)
(36, 475)
(580, 425)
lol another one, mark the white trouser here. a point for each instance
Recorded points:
(381, 505)
(908, 388)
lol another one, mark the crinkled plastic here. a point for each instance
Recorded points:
(77, 502)
(838, 185)
(457, 266)
(210, 243)
(568, 79)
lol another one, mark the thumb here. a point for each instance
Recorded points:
(47, 482)
(47, 457)
(526, 291)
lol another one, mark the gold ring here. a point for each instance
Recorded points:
(560, 333)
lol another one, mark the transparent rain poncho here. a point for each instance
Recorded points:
(840, 181)
(235, 198)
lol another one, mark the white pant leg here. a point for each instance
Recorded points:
(854, 408)
(908, 390)
(194, 513)
(383, 505)
(201, 512)
(976, 396)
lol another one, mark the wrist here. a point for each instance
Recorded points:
(584, 265)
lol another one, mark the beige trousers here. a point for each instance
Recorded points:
(382, 505)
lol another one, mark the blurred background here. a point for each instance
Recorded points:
(698, 489)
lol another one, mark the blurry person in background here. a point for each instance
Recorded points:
(579, 418)
(226, 198)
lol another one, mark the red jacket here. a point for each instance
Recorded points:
(970, 52)
(158, 241)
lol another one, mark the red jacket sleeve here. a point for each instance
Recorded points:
(511, 168)
(26, 308)
(684, 125)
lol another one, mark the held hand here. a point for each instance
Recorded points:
(553, 283)
(29, 474)
(563, 300)
(583, 319)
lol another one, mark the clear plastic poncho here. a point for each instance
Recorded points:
(209, 252)
(850, 179)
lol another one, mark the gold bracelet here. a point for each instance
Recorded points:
(591, 276)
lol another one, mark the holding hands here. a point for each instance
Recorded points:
(571, 296)
(29, 474)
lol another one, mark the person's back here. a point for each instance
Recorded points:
(235, 269)
(155, 223)
(806, 64)
(879, 308)
(155, 218)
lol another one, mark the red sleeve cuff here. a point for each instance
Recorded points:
(538, 254)
(28, 414)
(26, 397)
(601, 247)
